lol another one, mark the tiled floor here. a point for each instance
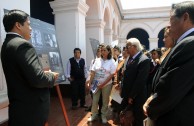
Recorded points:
(76, 117)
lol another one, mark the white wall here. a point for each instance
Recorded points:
(9, 5)
(70, 27)
(151, 26)
(99, 23)
(12, 4)
(82, 34)
(152, 20)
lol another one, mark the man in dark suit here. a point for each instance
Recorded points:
(27, 84)
(173, 86)
(135, 79)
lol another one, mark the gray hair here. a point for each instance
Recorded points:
(135, 42)
(183, 7)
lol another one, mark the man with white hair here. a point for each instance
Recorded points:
(134, 80)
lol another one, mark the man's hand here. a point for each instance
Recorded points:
(56, 75)
(130, 101)
(146, 104)
(47, 71)
(70, 79)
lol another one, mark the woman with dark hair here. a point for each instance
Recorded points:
(169, 42)
(102, 72)
(154, 65)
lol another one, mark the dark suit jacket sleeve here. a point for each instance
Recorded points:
(141, 78)
(30, 67)
(175, 84)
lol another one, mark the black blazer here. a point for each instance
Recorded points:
(134, 83)
(135, 76)
(173, 86)
(27, 84)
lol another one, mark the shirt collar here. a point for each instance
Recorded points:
(14, 33)
(136, 55)
(185, 34)
(154, 63)
(77, 59)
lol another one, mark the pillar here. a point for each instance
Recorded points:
(153, 43)
(95, 30)
(70, 26)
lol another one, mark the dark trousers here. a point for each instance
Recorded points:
(78, 92)
(137, 108)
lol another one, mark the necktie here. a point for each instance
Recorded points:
(129, 60)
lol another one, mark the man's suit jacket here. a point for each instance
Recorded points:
(134, 82)
(135, 76)
(28, 85)
(173, 87)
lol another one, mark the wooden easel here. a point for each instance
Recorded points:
(62, 105)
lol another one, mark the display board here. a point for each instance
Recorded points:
(94, 43)
(43, 38)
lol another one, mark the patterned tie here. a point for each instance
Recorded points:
(129, 60)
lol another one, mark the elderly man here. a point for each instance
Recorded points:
(135, 79)
(173, 86)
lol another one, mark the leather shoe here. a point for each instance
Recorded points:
(84, 106)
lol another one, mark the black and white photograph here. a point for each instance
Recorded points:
(54, 60)
(50, 40)
(44, 59)
(36, 38)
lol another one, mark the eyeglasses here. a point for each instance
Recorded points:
(127, 47)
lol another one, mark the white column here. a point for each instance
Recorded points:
(70, 26)
(153, 43)
(3, 89)
(114, 37)
(5, 4)
(4, 102)
(95, 30)
(108, 36)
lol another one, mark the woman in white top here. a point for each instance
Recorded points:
(102, 71)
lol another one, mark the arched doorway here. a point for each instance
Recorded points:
(160, 40)
(140, 34)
